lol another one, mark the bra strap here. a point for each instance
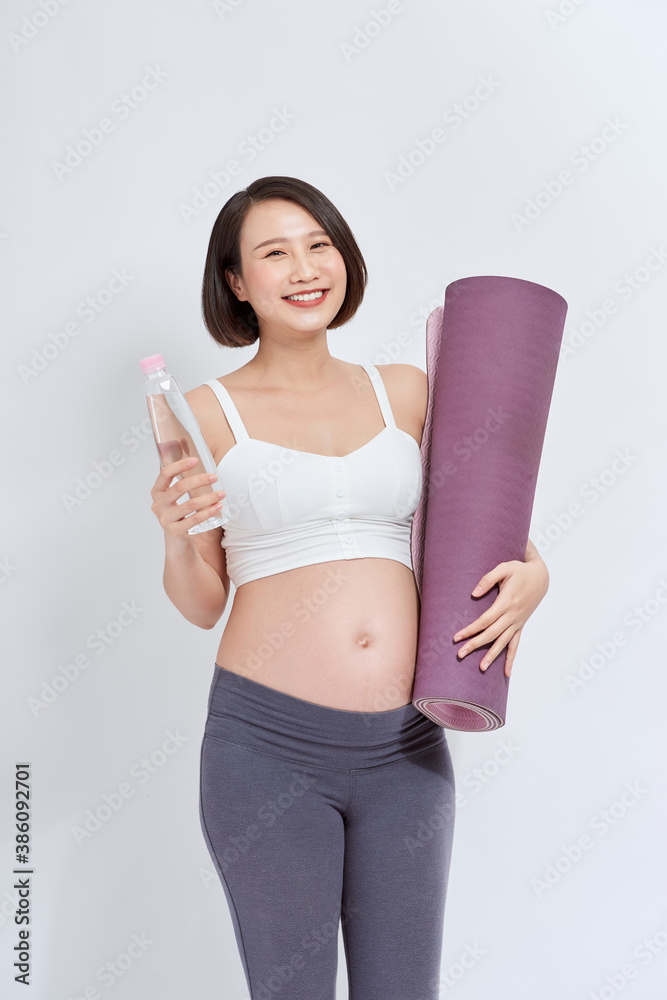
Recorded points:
(381, 393)
(229, 410)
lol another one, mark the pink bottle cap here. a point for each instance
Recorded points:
(152, 363)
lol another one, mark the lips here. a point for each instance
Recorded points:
(309, 303)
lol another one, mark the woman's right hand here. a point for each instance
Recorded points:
(172, 515)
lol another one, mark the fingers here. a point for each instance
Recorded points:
(489, 579)
(495, 650)
(497, 628)
(177, 522)
(511, 651)
(171, 470)
(483, 624)
(508, 638)
(504, 605)
(498, 624)
(177, 517)
(186, 484)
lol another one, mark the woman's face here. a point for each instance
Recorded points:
(286, 252)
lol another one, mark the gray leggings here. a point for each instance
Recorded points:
(315, 815)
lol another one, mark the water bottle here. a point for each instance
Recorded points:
(178, 435)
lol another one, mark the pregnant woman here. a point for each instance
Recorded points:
(317, 773)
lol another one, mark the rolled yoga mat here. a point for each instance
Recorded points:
(491, 357)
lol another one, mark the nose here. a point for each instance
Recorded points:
(304, 268)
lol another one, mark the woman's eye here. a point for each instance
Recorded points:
(320, 244)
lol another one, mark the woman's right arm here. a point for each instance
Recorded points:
(195, 570)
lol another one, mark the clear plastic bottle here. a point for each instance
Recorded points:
(178, 435)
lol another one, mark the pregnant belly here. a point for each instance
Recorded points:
(341, 634)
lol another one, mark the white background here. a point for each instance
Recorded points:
(361, 98)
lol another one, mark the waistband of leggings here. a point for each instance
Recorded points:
(244, 711)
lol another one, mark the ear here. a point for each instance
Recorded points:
(236, 285)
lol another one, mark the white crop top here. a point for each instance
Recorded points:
(295, 508)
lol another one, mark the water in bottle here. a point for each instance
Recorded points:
(178, 435)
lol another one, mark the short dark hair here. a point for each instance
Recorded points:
(233, 323)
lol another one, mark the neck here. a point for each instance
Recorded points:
(304, 367)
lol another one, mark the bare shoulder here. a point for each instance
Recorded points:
(209, 415)
(203, 403)
(409, 376)
(407, 388)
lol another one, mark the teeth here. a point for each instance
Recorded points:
(305, 298)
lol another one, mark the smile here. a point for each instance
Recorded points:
(307, 299)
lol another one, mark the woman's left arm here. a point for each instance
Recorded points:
(522, 586)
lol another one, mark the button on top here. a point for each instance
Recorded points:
(338, 466)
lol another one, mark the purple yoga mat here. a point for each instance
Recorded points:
(491, 357)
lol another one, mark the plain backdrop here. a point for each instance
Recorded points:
(460, 138)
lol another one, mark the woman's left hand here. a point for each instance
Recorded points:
(522, 587)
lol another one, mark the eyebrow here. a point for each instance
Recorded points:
(282, 239)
